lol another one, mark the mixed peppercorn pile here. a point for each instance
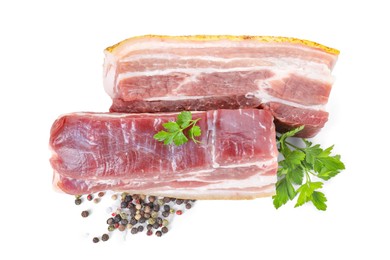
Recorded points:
(139, 212)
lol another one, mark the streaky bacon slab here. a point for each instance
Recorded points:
(167, 74)
(237, 157)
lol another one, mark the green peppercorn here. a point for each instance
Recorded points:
(172, 211)
(165, 222)
(95, 240)
(154, 214)
(105, 237)
(111, 228)
(123, 215)
(151, 221)
(160, 202)
(84, 213)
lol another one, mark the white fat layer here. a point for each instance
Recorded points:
(315, 70)
(280, 73)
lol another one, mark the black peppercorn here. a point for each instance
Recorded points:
(84, 213)
(95, 239)
(105, 237)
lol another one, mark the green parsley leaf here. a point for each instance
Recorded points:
(175, 130)
(299, 168)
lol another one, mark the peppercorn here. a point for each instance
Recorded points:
(84, 213)
(138, 206)
(164, 230)
(123, 215)
(142, 197)
(149, 232)
(179, 212)
(95, 239)
(123, 195)
(96, 200)
(156, 225)
(124, 222)
(101, 194)
(165, 214)
(137, 217)
(135, 196)
(142, 220)
(134, 230)
(105, 237)
(165, 222)
(179, 201)
(140, 229)
(167, 208)
(111, 228)
(160, 202)
(110, 221)
(124, 204)
(166, 199)
(132, 211)
(188, 206)
(147, 215)
(117, 218)
(159, 221)
(147, 209)
(156, 207)
(121, 227)
(133, 221)
(114, 197)
(129, 226)
(77, 201)
(151, 221)
(128, 198)
(152, 198)
(172, 211)
(154, 214)
(116, 225)
(149, 226)
(89, 197)
(158, 233)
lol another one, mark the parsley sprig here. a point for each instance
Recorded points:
(301, 170)
(175, 130)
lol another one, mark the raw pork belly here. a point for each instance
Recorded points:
(237, 157)
(290, 77)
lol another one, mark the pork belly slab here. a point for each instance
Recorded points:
(290, 77)
(236, 159)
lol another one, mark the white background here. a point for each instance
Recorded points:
(51, 63)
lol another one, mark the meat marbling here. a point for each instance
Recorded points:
(290, 77)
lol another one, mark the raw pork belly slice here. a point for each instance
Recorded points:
(237, 157)
(290, 77)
